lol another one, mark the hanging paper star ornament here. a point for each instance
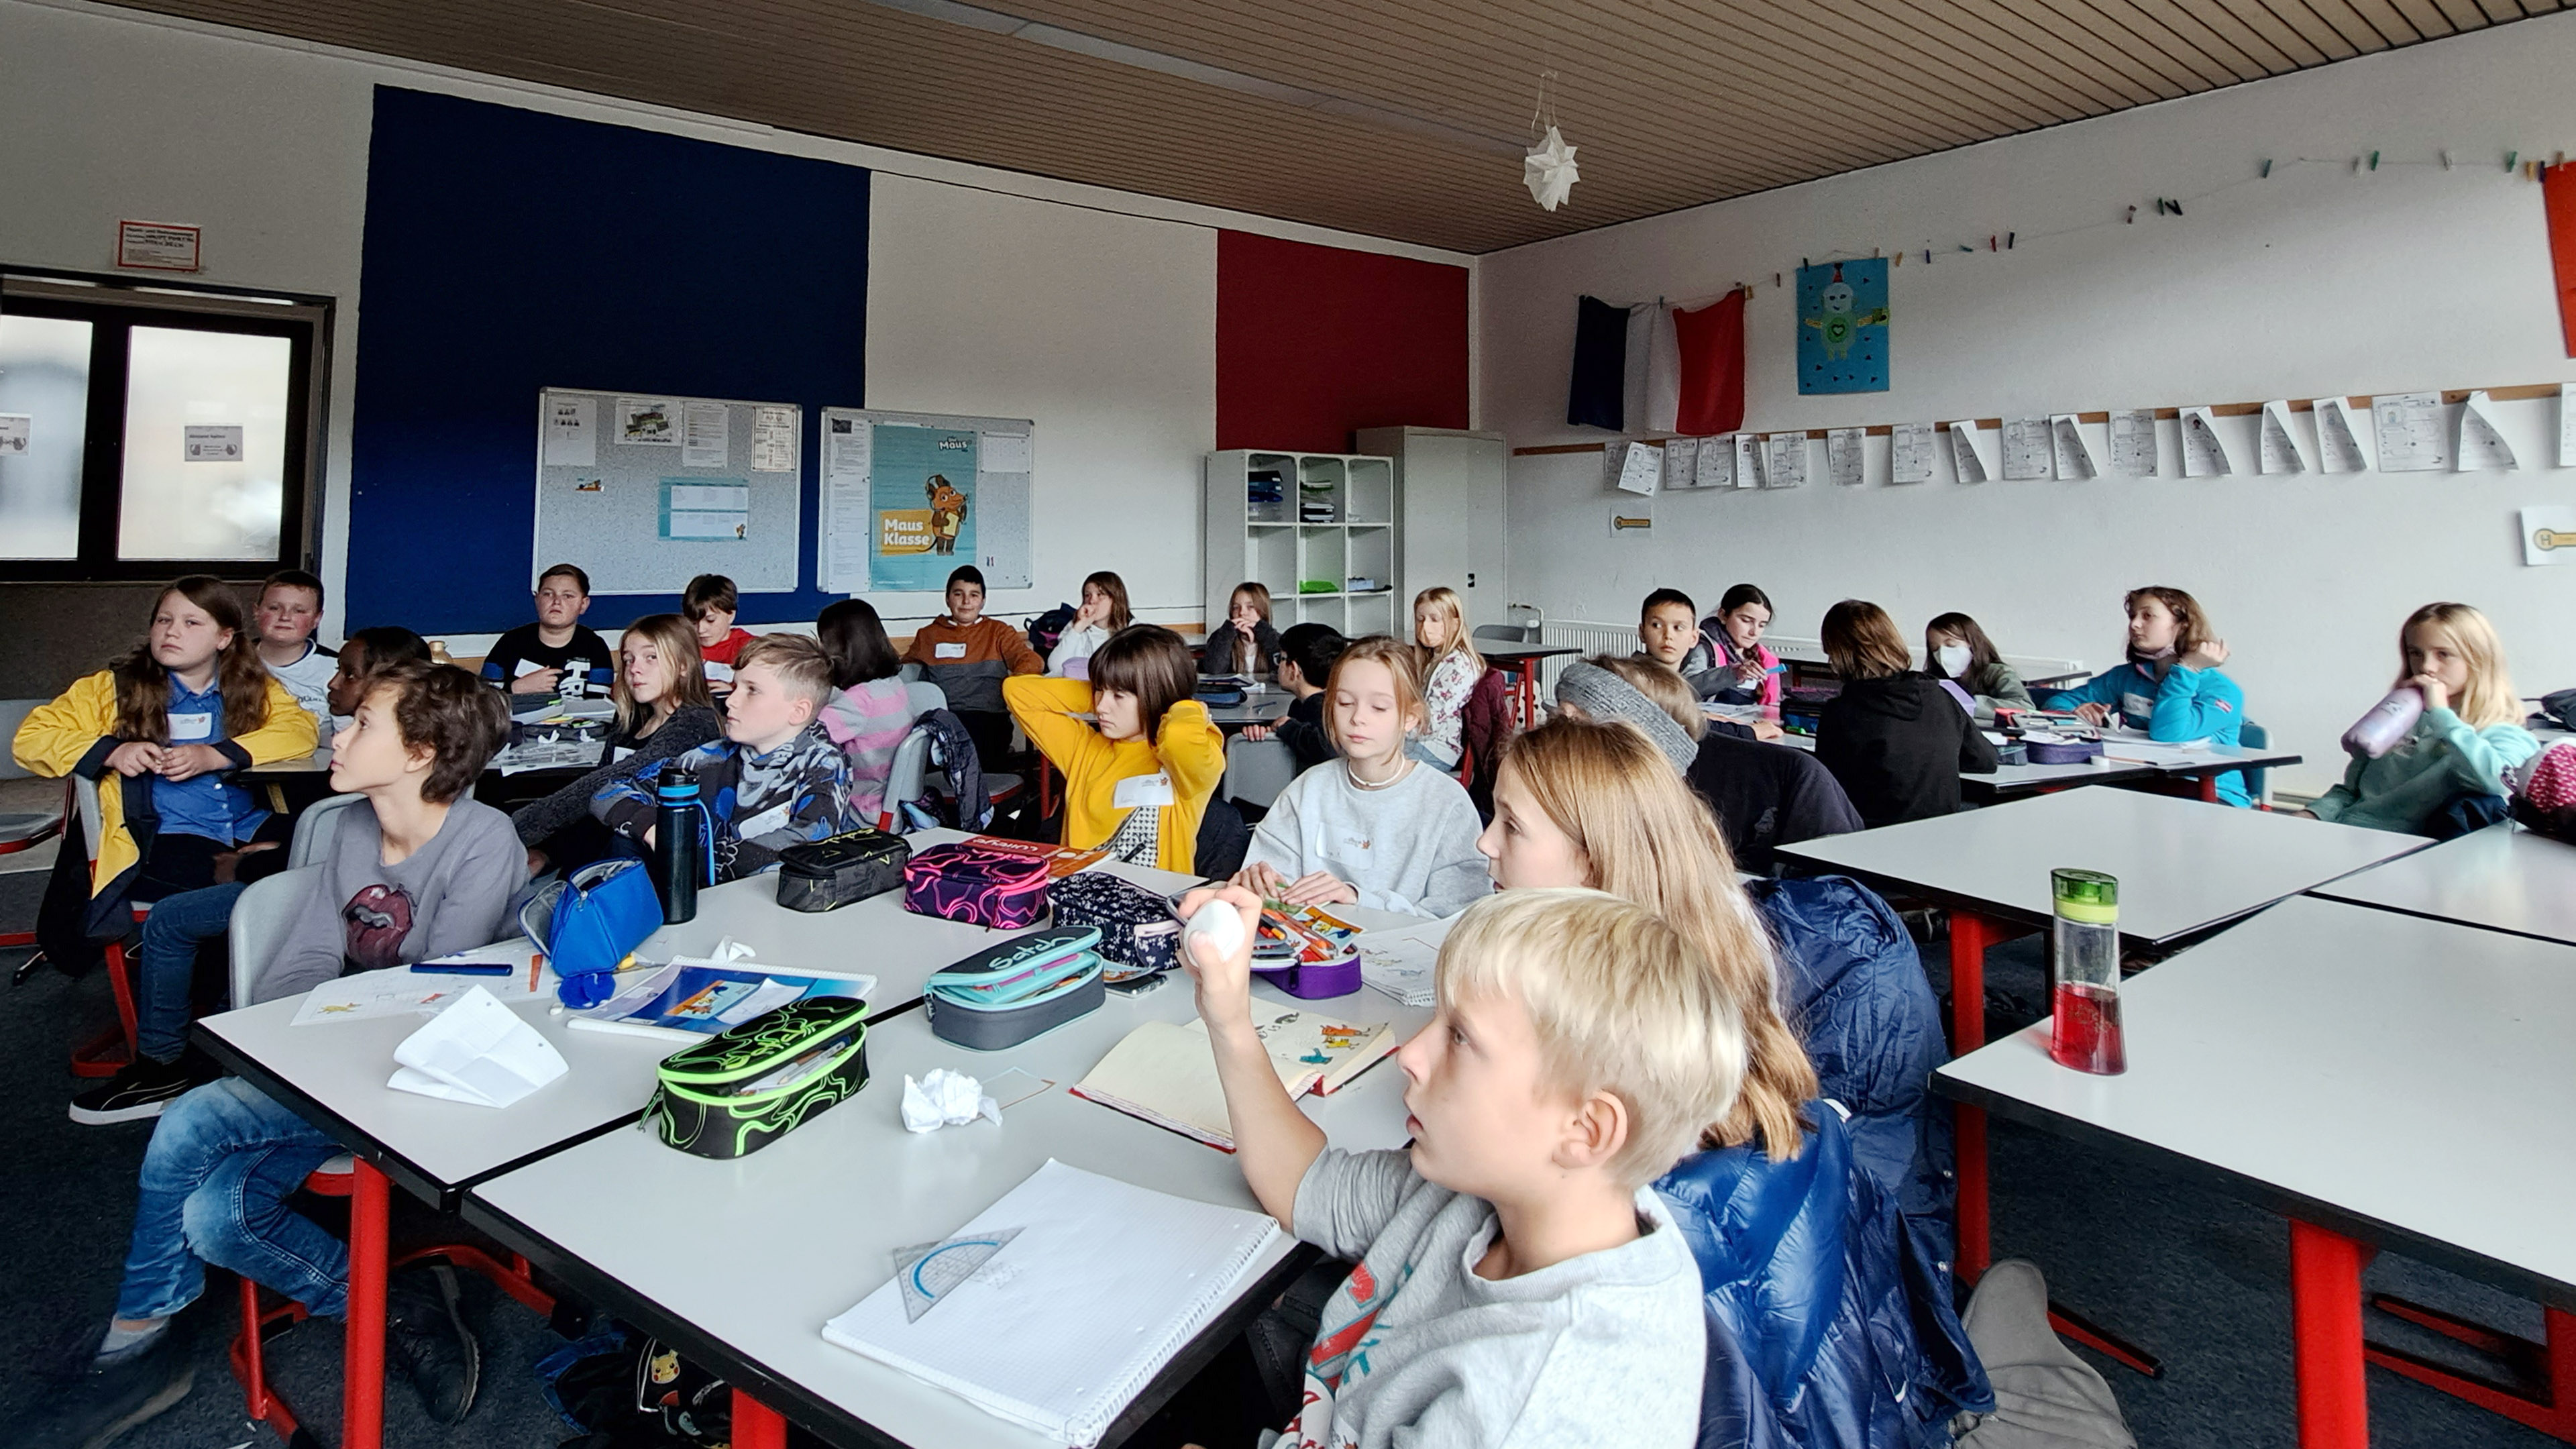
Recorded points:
(1548, 171)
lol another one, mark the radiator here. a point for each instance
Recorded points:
(1619, 640)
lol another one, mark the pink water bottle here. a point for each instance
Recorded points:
(2389, 721)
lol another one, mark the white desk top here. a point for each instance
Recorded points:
(2503, 878)
(2398, 1079)
(333, 1074)
(853, 1186)
(2182, 865)
(2011, 780)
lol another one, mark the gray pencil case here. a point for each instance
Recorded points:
(1004, 996)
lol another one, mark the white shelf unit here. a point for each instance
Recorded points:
(1284, 519)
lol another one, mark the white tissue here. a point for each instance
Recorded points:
(476, 1051)
(943, 1098)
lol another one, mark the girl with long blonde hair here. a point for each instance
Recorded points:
(1450, 668)
(2468, 737)
(1587, 803)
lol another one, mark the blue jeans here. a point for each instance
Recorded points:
(166, 966)
(215, 1180)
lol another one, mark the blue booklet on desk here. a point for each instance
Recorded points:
(682, 1002)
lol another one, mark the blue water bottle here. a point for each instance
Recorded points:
(680, 847)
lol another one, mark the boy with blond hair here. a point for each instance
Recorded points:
(775, 779)
(1519, 1283)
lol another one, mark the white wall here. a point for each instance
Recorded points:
(2315, 281)
(1092, 310)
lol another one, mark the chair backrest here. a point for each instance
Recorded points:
(260, 918)
(904, 777)
(317, 829)
(1504, 634)
(13, 713)
(85, 797)
(924, 697)
(2254, 737)
(1257, 770)
(910, 673)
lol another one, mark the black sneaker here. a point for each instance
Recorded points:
(426, 1337)
(140, 1089)
(92, 1403)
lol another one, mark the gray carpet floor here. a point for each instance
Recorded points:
(2183, 1270)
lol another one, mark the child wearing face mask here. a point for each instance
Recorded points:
(1377, 828)
(1137, 780)
(1955, 649)
(2171, 687)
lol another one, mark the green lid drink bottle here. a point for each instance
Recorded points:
(2084, 1026)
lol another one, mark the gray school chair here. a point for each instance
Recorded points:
(1257, 770)
(24, 829)
(317, 830)
(261, 915)
(1505, 634)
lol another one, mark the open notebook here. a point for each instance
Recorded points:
(1165, 1073)
(1102, 1284)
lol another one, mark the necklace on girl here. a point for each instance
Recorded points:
(1405, 767)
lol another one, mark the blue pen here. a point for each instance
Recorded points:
(466, 968)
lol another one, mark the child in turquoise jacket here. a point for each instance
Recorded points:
(2171, 686)
(2470, 734)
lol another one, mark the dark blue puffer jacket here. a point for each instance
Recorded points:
(1852, 988)
(1826, 1327)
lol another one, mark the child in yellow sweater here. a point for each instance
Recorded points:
(1141, 779)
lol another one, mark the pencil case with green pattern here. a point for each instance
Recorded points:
(744, 1088)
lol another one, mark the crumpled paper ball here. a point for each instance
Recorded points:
(943, 1098)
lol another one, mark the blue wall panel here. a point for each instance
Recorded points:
(509, 251)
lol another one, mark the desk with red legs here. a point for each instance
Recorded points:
(2184, 867)
(1521, 662)
(2270, 1059)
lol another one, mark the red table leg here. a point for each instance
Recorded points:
(1970, 934)
(756, 1425)
(2209, 788)
(2325, 1324)
(2538, 1387)
(362, 1399)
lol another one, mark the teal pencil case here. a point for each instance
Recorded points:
(1031, 984)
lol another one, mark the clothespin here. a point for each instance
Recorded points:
(2446, 159)
(2557, 158)
(2008, 239)
(2132, 219)
(1990, 243)
(1900, 259)
(2508, 161)
(2356, 166)
(2374, 160)
(2266, 172)
(1775, 279)
(1963, 246)
(2177, 207)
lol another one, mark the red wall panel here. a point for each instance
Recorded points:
(1312, 342)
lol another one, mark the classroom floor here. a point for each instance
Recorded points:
(2185, 1271)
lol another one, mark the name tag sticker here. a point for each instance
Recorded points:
(719, 673)
(620, 753)
(947, 651)
(767, 822)
(194, 726)
(527, 667)
(1137, 790)
(2137, 706)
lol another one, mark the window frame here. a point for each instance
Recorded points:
(114, 306)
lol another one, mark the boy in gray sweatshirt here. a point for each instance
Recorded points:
(1519, 1283)
(416, 870)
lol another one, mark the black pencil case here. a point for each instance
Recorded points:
(825, 875)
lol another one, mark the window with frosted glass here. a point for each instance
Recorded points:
(205, 445)
(44, 435)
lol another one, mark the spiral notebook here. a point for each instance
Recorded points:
(1103, 1283)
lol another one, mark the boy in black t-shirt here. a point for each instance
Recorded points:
(558, 653)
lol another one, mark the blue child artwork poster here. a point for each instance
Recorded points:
(921, 489)
(1842, 327)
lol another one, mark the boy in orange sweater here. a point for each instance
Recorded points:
(968, 656)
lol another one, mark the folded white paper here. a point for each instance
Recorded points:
(943, 1098)
(477, 1051)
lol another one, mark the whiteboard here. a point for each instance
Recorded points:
(648, 490)
(886, 481)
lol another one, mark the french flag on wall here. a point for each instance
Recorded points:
(1654, 368)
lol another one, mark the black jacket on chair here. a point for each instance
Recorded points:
(1898, 745)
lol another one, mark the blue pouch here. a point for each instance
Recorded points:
(590, 924)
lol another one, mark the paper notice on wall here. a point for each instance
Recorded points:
(845, 448)
(1968, 452)
(2203, 455)
(2133, 443)
(2567, 425)
(15, 430)
(648, 422)
(1007, 453)
(1784, 460)
(211, 442)
(2339, 437)
(1748, 461)
(707, 511)
(2279, 448)
(2026, 448)
(2411, 433)
(2549, 535)
(1641, 468)
(773, 439)
(1843, 456)
(572, 431)
(1909, 453)
(2074, 451)
(1716, 464)
(702, 434)
(2482, 443)
(1681, 462)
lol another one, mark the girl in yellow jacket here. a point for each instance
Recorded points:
(1140, 781)
(160, 730)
